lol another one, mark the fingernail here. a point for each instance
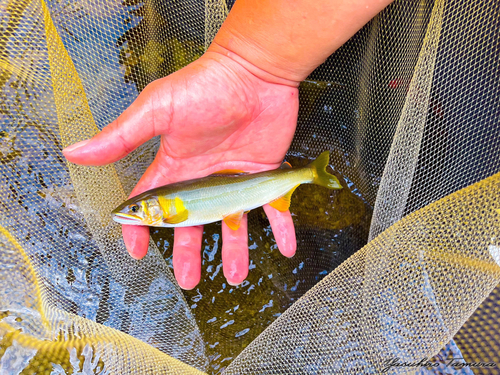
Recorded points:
(187, 282)
(76, 146)
(230, 283)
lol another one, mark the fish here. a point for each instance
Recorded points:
(224, 195)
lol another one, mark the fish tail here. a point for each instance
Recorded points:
(321, 176)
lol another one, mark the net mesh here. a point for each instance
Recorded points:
(52, 339)
(479, 338)
(357, 319)
(409, 110)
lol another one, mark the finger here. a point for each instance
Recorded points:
(235, 252)
(136, 240)
(283, 230)
(131, 129)
(187, 256)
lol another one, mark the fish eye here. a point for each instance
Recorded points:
(133, 208)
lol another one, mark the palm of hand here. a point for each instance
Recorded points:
(212, 115)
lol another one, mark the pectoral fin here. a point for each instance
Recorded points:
(177, 218)
(283, 203)
(233, 221)
(181, 214)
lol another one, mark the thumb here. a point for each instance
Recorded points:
(131, 129)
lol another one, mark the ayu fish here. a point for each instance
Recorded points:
(221, 196)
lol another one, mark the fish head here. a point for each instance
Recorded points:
(140, 210)
(131, 212)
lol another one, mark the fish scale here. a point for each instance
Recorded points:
(243, 196)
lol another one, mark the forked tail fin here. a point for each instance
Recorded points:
(321, 176)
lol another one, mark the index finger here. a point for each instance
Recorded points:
(131, 129)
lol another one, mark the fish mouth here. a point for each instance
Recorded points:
(126, 219)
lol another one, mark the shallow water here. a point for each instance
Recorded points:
(330, 225)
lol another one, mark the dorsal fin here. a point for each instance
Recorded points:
(286, 165)
(283, 203)
(229, 173)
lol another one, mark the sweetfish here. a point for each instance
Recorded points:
(225, 195)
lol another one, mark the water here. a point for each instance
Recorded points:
(330, 226)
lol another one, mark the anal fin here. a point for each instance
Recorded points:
(233, 221)
(283, 203)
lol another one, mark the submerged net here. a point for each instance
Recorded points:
(38, 338)
(409, 109)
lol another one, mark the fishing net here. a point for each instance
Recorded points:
(402, 260)
(39, 338)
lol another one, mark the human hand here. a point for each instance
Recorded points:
(212, 115)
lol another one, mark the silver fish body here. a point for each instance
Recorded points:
(218, 197)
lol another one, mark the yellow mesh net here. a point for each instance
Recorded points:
(411, 120)
(479, 337)
(400, 296)
(56, 340)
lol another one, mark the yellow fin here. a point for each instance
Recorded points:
(286, 165)
(283, 203)
(229, 172)
(233, 221)
(177, 218)
(169, 205)
(321, 176)
(166, 205)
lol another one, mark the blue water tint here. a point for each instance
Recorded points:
(227, 324)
